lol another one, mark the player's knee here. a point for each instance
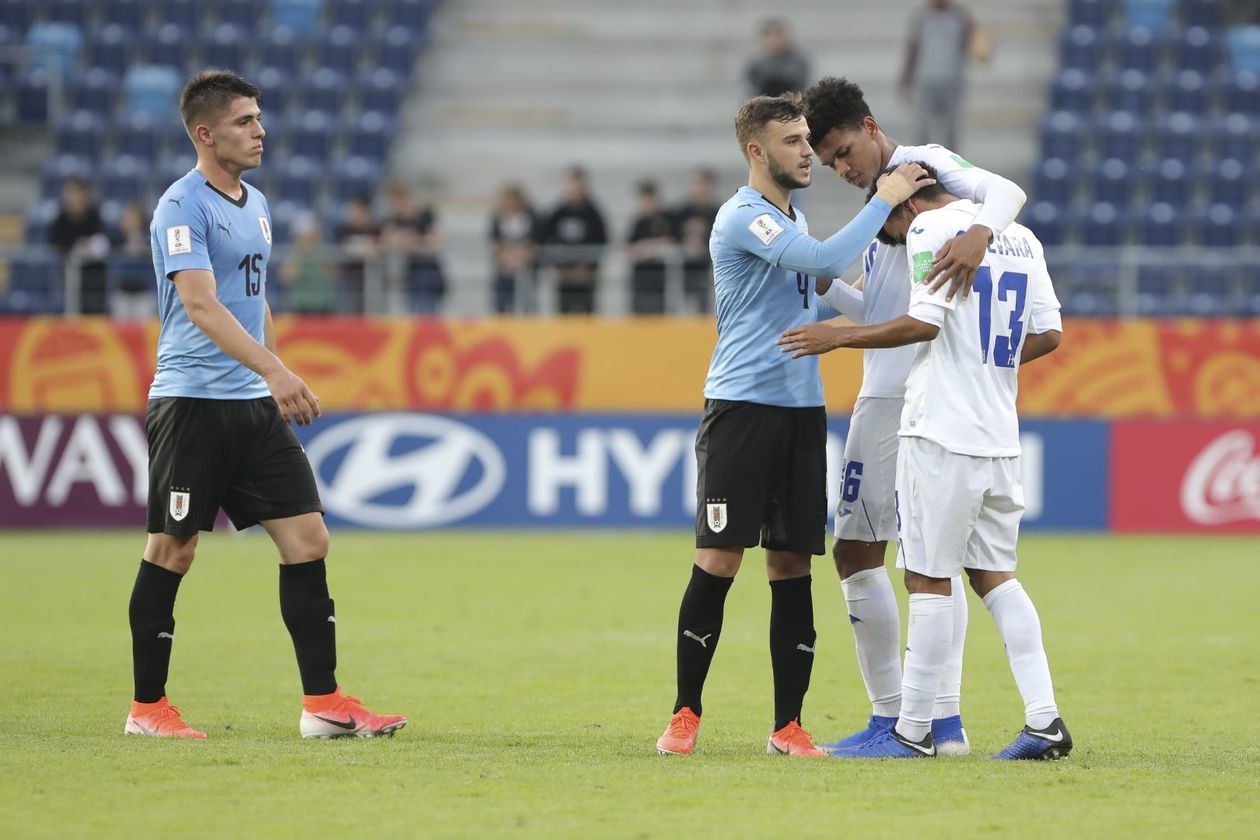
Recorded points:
(853, 556)
(173, 555)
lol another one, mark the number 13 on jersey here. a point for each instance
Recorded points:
(1006, 347)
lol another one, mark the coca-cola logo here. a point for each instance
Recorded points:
(1223, 482)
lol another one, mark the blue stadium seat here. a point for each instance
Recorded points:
(1113, 183)
(1235, 136)
(95, 91)
(1179, 135)
(35, 285)
(151, 89)
(112, 48)
(1211, 292)
(1132, 91)
(275, 85)
(171, 136)
(298, 179)
(283, 213)
(300, 15)
(1158, 290)
(246, 14)
(58, 168)
(80, 135)
(226, 46)
(356, 176)
(1096, 13)
(1071, 90)
(382, 89)
(186, 14)
(1205, 13)
(1243, 43)
(169, 45)
(125, 177)
(54, 45)
(1230, 182)
(396, 47)
(339, 48)
(412, 15)
(1220, 226)
(170, 168)
(37, 219)
(32, 95)
(1190, 91)
(128, 14)
(1064, 134)
(74, 12)
(283, 48)
(1162, 224)
(1103, 225)
(370, 135)
(16, 14)
(355, 14)
(1154, 15)
(1242, 93)
(1120, 135)
(314, 136)
(136, 134)
(1138, 48)
(1048, 221)
(1088, 286)
(1172, 182)
(1197, 49)
(1055, 180)
(325, 90)
(1082, 47)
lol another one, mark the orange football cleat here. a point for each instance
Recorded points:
(159, 719)
(339, 715)
(680, 735)
(792, 740)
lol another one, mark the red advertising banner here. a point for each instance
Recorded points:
(1192, 476)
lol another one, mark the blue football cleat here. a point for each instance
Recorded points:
(876, 725)
(950, 737)
(890, 744)
(1047, 744)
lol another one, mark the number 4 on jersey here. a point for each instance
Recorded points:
(1006, 347)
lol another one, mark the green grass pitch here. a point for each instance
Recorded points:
(537, 672)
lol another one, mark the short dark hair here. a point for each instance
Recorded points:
(209, 92)
(931, 191)
(833, 103)
(756, 112)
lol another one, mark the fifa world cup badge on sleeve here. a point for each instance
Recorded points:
(178, 240)
(179, 504)
(716, 516)
(765, 228)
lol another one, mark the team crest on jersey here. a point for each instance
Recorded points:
(179, 504)
(266, 228)
(716, 516)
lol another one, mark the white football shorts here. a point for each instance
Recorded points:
(956, 511)
(867, 511)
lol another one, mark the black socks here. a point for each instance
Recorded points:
(152, 617)
(308, 613)
(792, 639)
(699, 626)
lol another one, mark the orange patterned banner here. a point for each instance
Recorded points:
(1118, 369)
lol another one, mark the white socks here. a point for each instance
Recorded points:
(876, 623)
(949, 694)
(927, 648)
(1020, 628)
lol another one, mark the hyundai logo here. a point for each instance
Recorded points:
(405, 470)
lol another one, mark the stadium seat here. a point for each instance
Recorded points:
(1048, 221)
(301, 15)
(125, 177)
(1095, 13)
(396, 48)
(1243, 43)
(1211, 292)
(1132, 91)
(1219, 226)
(314, 136)
(35, 284)
(276, 88)
(136, 134)
(32, 95)
(1113, 183)
(1055, 181)
(297, 180)
(370, 135)
(1230, 182)
(74, 12)
(1235, 136)
(94, 91)
(1242, 93)
(1171, 183)
(1179, 135)
(355, 14)
(171, 136)
(1197, 49)
(1205, 13)
(382, 89)
(58, 168)
(1138, 48)
(54, 45)
(226, 46)
(16, 14)
(1159, 289)
(80, 135)
(1103, 225)
(37, 219)
(169, 45)
(186, 14)
(283, 48)
(1154, 15)
(128, 14)
(1083, 48)
(243, 13)
(1089, 286)
(1120, 135)
(356, 176)
(1191, 92)
(283, 213)
(338, 48)
(151, 89)
(325, 90)
(1162, 225)
(1064, 134)
(111, 48)
(412, 15)
(171, 168)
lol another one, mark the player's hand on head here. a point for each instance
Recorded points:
(810, 340)
(903, 182)
(296, 401)
(957, 261)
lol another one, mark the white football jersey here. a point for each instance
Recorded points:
(886, 282)
(962, 386)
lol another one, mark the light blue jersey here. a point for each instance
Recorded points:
(764, 265)
(197, 227)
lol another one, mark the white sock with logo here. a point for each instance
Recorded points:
(949, 693)
(927, 648)
(876, 624)
(1020, 627)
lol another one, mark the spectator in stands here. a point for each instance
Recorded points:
(307, 272)
(513, 233)
(781, 67)
(131, 265)
(942, 37)
(410, 237)
(575, 235)
(693, 222)
(358, 236)
(651, 249)
(79, 235)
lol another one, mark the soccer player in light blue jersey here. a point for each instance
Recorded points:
(218, 419)
(762, 440)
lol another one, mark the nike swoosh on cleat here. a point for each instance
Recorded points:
(1053, 737)
(918, 747)
(350, 724)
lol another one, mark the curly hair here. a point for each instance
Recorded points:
(834, 103)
